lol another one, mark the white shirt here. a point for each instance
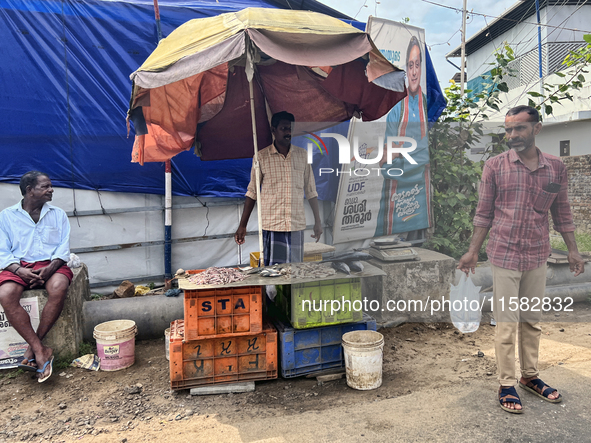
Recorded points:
(23, 239)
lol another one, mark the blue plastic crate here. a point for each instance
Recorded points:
(303, 351)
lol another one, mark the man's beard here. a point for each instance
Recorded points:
(519, 148)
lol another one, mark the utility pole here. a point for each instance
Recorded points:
(463, 62)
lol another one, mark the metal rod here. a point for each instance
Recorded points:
(463, 62)
(224, 202)
(157, 17)
(540, 56)
(146, 244)
(168, 221)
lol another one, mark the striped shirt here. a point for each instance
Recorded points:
(284, 180)
(514, 203)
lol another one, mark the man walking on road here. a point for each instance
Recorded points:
(517, 190)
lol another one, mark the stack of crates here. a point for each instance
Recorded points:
(309, 332)
(222, 339)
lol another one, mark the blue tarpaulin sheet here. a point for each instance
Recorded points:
(64, 95)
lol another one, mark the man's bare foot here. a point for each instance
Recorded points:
(541, 388)
(29, 358)
(41, 357)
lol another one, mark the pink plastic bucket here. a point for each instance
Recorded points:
(115, 344)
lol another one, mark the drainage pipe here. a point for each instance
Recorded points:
(152, 314)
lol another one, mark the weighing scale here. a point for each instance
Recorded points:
(392, 249)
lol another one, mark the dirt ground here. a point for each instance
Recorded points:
(136, 404)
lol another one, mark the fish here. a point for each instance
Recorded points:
(341, 267)
(356, 266)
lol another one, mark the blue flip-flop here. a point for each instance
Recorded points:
(28, 367)
(42, 370)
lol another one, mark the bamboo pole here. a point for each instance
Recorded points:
(255, 161)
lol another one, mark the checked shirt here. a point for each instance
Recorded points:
(514, 204)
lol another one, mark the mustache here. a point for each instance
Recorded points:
(515, 141)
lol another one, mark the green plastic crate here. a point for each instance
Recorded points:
(290, 301)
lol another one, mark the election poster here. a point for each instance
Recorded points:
(382, 192)
(12, 345)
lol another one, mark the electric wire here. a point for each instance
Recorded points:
(504, 18)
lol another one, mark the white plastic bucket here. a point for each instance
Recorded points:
(363, 359)
(167, 343)
(115, 344)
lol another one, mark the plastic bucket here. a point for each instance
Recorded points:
(115, 344)
(363, 359)
(167, 343)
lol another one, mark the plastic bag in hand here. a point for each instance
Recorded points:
(465, 305)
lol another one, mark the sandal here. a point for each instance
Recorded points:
(508, 394)
(26, 366)
(538, 387)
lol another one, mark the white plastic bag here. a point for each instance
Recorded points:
(465, 306)
(74, 261)
(271, 292)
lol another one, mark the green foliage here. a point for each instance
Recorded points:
(11, 374)
(583, 242)
(86, 348)
(454, 176)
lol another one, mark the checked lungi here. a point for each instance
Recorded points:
(283, 247)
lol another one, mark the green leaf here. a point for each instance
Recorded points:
(548, 110)
(503, 87)
(560, 74)
(587, 38)
(581, 77)
(531, 103)
(534, 94)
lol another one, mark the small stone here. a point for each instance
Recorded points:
(286, 387)
(62, 406)
(480, 354)
(560, 363)
(125, 289)
(62, 374)
(489, 373)
(123, 440)
(133, 390)
(562, 330)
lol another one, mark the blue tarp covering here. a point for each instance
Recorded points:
(64, 95)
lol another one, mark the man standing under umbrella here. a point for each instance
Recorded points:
(285, 177)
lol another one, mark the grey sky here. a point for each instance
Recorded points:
(439, 23)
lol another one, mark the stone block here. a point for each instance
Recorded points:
(408, 288)
(66, 335)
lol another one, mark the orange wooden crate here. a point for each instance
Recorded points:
(228, 359)
(213, 312)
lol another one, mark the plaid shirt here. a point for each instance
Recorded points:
(514, 204)
(283, 183)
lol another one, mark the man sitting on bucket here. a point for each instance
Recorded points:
(34, 249)
(285, 176)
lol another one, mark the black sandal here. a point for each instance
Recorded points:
(544, 390)
(508, 394)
